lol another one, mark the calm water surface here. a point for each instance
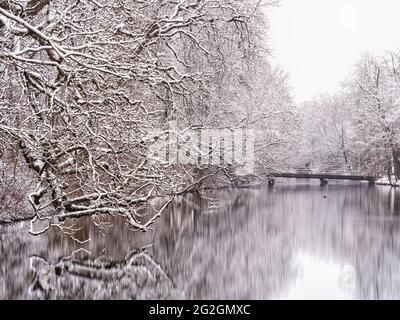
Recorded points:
(291, 242)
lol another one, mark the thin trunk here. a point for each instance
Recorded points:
(396, 164)
(390, 169)
(346, 160)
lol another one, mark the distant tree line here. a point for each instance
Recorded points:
(359, 127)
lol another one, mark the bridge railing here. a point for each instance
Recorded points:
(326, 169)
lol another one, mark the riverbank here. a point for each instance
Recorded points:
(9, 219)
(6, 218)
(385, 182)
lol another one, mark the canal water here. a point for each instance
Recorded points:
(297, 241)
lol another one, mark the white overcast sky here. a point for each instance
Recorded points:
(317, 42)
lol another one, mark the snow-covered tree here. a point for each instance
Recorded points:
(83, 83)
(359, 127)
(376, 112)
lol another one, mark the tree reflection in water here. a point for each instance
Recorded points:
(137, 276)
(230, 244)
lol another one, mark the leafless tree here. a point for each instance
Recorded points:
(359, 126)
(84, 82)
(376, 88)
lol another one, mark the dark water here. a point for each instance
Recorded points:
(294, 241)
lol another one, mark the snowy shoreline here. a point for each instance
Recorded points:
(385, 182)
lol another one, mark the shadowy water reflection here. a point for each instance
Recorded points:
(290, 242)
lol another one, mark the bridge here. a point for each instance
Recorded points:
(323, 175)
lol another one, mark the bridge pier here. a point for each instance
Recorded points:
(324, 182)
